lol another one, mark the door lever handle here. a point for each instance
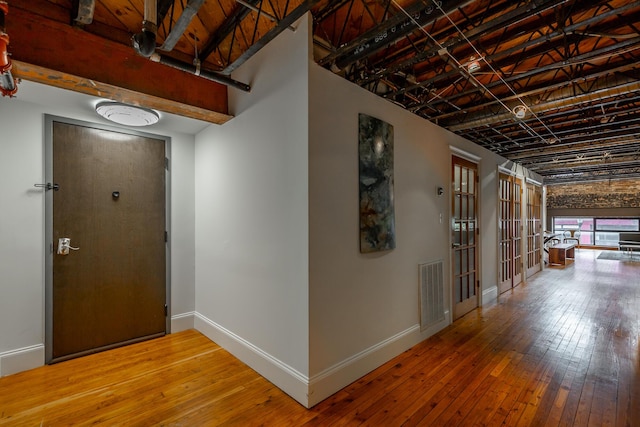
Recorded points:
(64, 244)
(48, 186)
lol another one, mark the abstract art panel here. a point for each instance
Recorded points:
(375, 155)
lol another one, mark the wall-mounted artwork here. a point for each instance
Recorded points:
(375, 154)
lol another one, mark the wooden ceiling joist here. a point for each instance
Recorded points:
(53, 53)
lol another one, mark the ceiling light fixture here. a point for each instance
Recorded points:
(128, 115)
(443, 51)
(519, 111)
(473, 65)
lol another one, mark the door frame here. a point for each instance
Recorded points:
(49, 247)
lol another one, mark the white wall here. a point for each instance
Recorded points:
(21, 227)
(22, 223)
(280, 281)
(252, 217)
(359, 300)
(364, 308)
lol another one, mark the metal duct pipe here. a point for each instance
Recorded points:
(8, 85)
(196, 70)
(145, 42)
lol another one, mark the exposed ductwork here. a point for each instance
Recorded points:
(196, 70)
(144, 44)
(145, 41)
(8, 85)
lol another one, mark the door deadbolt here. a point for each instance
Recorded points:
(64, 244)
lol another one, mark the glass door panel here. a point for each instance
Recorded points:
(464, 229)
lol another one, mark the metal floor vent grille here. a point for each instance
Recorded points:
(431, 294)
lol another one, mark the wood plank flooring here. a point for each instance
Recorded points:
(561, 350)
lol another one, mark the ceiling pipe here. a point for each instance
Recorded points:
(196, 70)
(145, 41)
(144, 44)
(8, 85)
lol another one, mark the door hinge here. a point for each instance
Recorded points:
(166, 310)
(166, 237)
(166, 163)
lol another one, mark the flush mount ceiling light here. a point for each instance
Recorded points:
(128, 115)
(473, 65)
(520, 111)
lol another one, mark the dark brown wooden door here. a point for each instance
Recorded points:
(466, 281)
(111, 205)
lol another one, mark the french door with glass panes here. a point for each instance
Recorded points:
(510, 232)
(466, 280)
(534, 229)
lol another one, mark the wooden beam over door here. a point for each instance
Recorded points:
(53, 53)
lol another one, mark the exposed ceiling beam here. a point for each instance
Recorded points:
(540, 91)
(163, 8)
(568, 101)
(226, 28)
(456, 41)
(62, 80)
(49, 49)
(394, 28)
(190, 10)
(542, 43)
(284, 23)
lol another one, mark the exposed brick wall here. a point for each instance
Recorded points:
(614, 194)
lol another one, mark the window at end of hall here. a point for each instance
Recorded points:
(593, 231)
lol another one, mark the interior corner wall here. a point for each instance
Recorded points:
(22, 218)
(364, 308)
(22, 230)
(252, 217)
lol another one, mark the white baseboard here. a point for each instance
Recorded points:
(349, 370)
(490, 295)
(182, 322)
(283, 376)
(309, 392)
(22, 359)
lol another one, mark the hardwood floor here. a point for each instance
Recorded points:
(560, 350)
